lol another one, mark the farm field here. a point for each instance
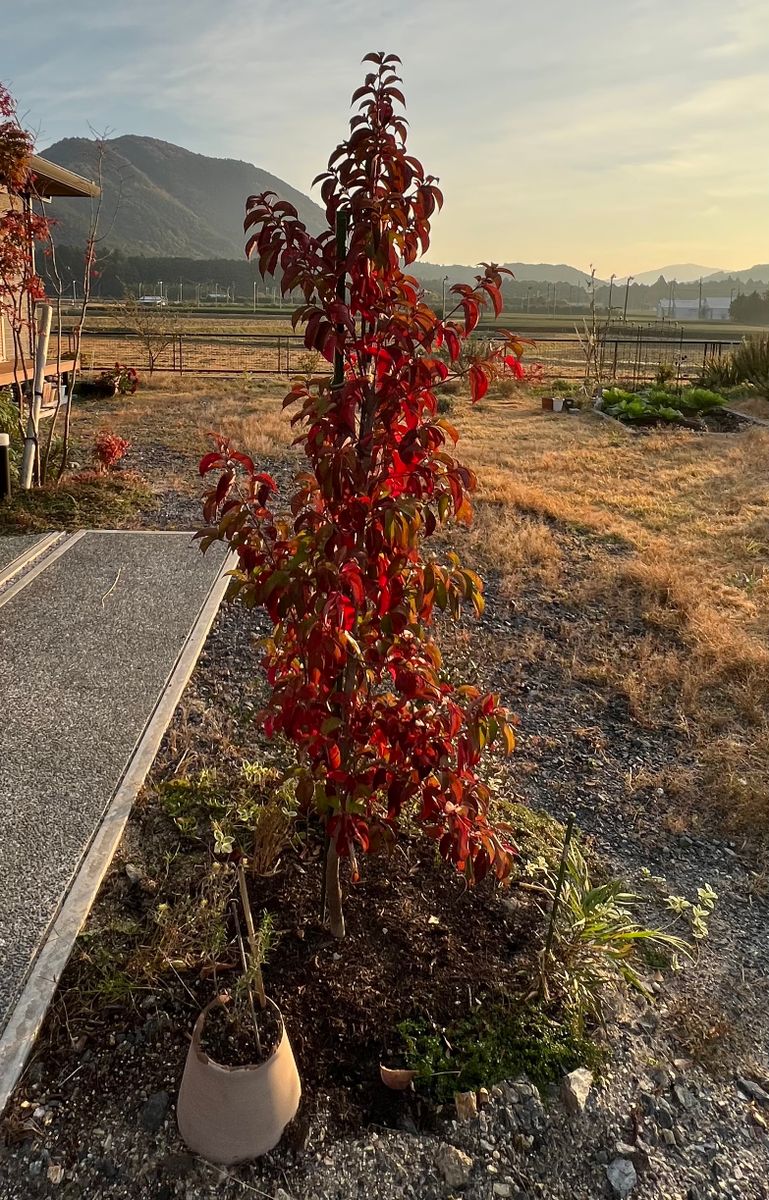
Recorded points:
(244, 320)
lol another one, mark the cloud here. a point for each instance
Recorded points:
(560, 131)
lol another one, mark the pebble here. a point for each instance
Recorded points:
(466, 1104)
(622, 1176)
(153, 1113)
(752, 1090)
(575, 1089)
(454, 1165)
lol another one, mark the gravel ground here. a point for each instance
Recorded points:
(682, 1111)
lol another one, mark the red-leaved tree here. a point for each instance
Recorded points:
(20, 228)
(356, 678)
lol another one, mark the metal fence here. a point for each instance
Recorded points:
(631, 354)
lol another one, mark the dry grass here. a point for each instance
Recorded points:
(177, 413)
(657, 542)
(676, 621)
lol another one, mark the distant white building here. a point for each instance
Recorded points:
(714, 308)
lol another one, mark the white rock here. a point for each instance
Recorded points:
(454, 1165)
(622, 1176)
(466, 1105)
(575, 1089)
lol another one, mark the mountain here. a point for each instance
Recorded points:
(757, 274)
(160, 199)
(523, 272)
(675, 272)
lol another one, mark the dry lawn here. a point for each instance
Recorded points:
(673, 600)
(659, 542)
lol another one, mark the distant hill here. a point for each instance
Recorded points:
(163, 200)
(675, 272)
(757, 274)
(523, 272)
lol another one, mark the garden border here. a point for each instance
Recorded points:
(42, 544)
(23, 1025)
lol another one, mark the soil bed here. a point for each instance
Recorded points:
(229, 1039)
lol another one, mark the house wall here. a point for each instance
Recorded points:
(6, 330)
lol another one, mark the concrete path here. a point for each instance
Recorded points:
(98, 635)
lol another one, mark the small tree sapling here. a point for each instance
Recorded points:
(356, 677)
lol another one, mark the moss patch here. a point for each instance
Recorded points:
(496, 1041)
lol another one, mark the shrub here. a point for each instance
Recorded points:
(751, 361)
(108, 449)
(595, 939)
(355, 676)
(720, 371)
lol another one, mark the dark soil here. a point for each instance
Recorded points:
(229, 1039)
(720, 421)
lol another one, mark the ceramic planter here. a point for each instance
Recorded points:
(229, 1114)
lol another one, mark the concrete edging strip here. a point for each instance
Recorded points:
(46, 561)
(23, 1026)
(36, 550)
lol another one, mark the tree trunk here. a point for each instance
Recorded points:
(334, 914)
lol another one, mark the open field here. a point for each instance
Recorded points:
(276, 320)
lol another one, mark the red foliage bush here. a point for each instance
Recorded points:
(108, 449)
(357, 681)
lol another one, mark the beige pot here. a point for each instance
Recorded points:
(228, 1114)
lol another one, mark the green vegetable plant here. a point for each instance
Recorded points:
(657, 404)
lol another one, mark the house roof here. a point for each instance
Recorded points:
(53, 180)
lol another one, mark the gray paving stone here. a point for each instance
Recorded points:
(85, 650)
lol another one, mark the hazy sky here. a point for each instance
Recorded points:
(629, 133)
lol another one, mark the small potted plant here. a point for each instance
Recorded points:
(240, 1086)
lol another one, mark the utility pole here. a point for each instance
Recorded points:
(611, 289)
(254, 309)
(628, 281)
(672, 304)
(443, 302)
(699, 302)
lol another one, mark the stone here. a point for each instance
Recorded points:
(153, 1113)
(55, 1172)
(483, 1097)
(502, 1189)
(668, 1137)
(454, 1165)
(622, 1176)
(134, 873)
(466, 1105)
(684, 1097)
(752, 1090)
(638, 1154)
(663, 1116)
(575, 1089)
